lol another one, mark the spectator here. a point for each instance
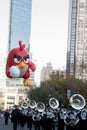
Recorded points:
(6, 115)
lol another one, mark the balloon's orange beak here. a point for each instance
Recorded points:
(21, 65)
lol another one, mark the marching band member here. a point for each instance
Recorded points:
(72, 120)
(29, 118)
(37, 116)
(23, 117)
(55, 120)
(83, 119)
(61, 115)
(48, 119)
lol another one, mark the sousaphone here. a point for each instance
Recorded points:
(40, 107)
(54, 103)
(32, 104)
(77, 102)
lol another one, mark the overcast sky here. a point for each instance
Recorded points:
(49, 31)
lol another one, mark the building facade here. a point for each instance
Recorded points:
(46, 71)
(77, 39)
(20, 22)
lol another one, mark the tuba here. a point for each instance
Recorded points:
(40, 107)
(53, 102)
(32, 104)
(24, 105)
(69, 121)
(77, 102)
(36, 117)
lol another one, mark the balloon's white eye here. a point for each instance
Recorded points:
(16, 60)
(26, 60)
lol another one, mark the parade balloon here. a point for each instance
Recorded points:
(18, 64)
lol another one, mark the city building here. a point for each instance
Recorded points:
(19, 23)
(14, 96)
(32, 74)
(46, 71)
(77, 40)
(60, 74)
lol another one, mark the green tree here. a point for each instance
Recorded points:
(57, 88)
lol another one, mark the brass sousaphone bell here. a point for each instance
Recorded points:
(24, 105)
(77, 102)
(32, 104)
(40, 107)
(53, 102)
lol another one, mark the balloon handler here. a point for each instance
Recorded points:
(18, 64)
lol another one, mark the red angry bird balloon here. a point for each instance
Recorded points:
(18, 64)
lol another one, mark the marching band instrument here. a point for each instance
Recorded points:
(40, 107)
(28, 103)
(53, 102)
(27, 99)
(83, 114)
(84, 110)
(36, 117)
(24, 105)
(71, 119)
(32, 104)
(77, 102)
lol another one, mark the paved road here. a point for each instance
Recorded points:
(9, 126)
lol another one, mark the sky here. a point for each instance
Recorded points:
(4, 11)
(49, 32)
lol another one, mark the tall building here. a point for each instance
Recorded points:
(20, 22)
(77, 39)
(46, 71)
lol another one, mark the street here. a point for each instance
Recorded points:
(9, 126)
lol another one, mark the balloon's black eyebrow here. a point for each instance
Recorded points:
(27, 56)
(17, 56)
